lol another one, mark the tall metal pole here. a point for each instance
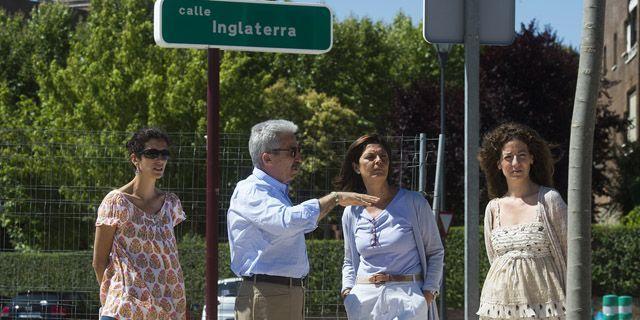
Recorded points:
(213, 176)
(442, 57)
(471, 174)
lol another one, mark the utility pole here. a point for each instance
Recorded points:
(471, 140)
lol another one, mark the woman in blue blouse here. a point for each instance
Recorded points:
(393, 253)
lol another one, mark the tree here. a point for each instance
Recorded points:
(532, 82)
(580, 159)
(418, 111)
(27, 46)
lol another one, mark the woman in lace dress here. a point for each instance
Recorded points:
(524, 228)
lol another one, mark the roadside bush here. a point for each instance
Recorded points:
(632, 219)
(615, 266)
(454, 266)
(615, 269)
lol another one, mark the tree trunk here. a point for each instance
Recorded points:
(580, 162)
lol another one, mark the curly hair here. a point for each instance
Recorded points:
(348, 179)
(135, 145)
(490, 154)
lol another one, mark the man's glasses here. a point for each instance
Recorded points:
(293, 151)
(155, 153)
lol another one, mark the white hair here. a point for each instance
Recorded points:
(265, 136)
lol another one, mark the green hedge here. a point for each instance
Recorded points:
(616, 260)
(615, 269)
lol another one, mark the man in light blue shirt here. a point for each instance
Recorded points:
(266, 231)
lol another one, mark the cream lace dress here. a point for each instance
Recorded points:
(522, 282)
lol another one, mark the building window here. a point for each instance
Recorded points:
(632, 33)
(604, 60)
(632, 116)
(615, 51)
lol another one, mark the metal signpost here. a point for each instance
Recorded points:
(468, 22)
(263, 26)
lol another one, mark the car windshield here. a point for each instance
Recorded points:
(228, 289)
(49, 297)
(35, 298)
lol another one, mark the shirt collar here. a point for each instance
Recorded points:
(270, 180)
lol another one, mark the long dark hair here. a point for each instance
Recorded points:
(348, 179)
(491, 151)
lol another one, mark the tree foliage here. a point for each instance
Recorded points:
(104, 75)
(68, 79)
(531, 81)
(625, 185)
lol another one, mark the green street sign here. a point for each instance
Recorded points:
(265, 26)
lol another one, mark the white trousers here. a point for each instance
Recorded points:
(392, 300)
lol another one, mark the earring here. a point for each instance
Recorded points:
(137, 171)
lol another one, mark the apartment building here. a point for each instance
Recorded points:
(620, 60)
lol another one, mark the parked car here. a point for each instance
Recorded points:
(49, 305)
(227, 293)
(5, 307)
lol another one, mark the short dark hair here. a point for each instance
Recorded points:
(491, 152)
(348, 179)
(135, 145)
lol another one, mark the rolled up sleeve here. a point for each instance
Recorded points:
(272, 214)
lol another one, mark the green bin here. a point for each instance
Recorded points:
(610, 307)
(624, 307)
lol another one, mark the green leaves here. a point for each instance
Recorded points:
(68, 79)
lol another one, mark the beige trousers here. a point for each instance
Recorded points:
(268, 301)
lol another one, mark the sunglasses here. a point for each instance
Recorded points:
(155, 153)
(293, 151)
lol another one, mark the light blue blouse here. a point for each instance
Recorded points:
(266, 231)
(386, 243)
(414, 207)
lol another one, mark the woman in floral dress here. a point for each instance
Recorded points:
(135, 253)
(524, 228)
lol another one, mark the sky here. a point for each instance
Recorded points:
(564, 16)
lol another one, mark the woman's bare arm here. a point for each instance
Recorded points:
(102, 248)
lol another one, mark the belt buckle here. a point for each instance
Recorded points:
(379, 278)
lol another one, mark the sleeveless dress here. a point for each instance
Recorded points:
(523, 281)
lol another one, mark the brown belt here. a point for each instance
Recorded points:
(296, 282)
(379, 278)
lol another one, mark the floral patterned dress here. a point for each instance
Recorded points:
(523, 281)
(143, 279)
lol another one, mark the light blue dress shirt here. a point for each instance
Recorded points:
(266, 231)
